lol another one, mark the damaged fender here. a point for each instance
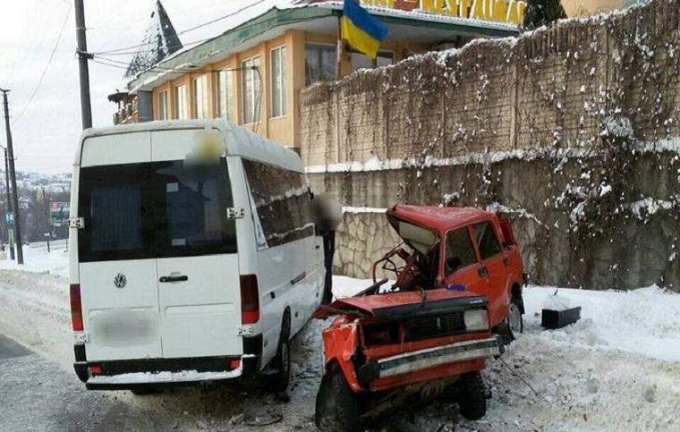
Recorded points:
(340, 343)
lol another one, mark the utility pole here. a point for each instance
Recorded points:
(83, 57)
(8, 209)
(13, 180)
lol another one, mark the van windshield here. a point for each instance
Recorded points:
(155, 210)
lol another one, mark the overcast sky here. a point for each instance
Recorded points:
(46, 130)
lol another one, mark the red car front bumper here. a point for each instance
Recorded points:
(427, 364)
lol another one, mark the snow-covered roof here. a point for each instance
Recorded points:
(160, 41)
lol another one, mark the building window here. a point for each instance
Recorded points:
(180, 103)
(252, 90)
(200, 99)
(225, 94)
(163, 105)
(279, 87)
(320, 63)
(360, 61)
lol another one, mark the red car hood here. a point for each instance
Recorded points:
(409, 303)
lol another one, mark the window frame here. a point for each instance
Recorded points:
(163, 105)
(225, 108)
(473, 232)
(472, 241)
(334, 47)
(283, 97)
(177, 106)
(246, 73)
(203, 106)
(391, 52)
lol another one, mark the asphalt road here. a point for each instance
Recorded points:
(38, 395)
(10, 349)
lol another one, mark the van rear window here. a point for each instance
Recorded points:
(155, 210)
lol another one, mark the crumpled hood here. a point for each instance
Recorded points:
(409, 303)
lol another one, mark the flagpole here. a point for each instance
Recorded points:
(341, 51)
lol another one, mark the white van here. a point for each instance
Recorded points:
(193, 255)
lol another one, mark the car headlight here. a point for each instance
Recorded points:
(476, 320)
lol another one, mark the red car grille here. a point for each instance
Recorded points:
(434, 326)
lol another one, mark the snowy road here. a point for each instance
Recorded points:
(617, 369)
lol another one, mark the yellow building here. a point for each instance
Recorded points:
(252, 73)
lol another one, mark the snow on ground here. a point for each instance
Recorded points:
(38, 260)
(618, 368)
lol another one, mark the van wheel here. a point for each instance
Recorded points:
(281, 379)
(472, 400)
(337, 406)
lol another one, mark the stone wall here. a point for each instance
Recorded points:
(573, 130)
(641, 251)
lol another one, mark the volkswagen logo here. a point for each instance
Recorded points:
(120, 281)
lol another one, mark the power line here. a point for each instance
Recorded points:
(125, 65)
(229, 15)
(176, 69)
(117, 64)
(47, 66)
(132, 53)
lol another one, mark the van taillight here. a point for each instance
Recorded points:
(250, 300)
(76, 308)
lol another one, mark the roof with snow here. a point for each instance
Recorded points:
(160, 41)
(261, 21)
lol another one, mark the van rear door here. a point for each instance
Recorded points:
(198, 273)
(198, 269)
(115, 250)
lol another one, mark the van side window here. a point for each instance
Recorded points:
(486, 240)
(282, 201)
(459, 250)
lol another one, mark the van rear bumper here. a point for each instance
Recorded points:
(131, 374)
(143, 379)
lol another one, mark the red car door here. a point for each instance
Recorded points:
(493, 268)
(460, 264)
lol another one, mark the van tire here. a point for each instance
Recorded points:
(472, 398)
(281, 378)
(337, 406)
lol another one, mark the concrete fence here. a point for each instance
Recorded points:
(572, 130)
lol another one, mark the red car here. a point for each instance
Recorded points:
(457, 300)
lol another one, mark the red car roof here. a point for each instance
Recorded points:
(440, 219)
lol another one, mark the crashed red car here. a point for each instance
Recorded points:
(457, 300)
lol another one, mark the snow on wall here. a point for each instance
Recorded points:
(575, 129)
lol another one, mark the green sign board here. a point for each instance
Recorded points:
(59, 213)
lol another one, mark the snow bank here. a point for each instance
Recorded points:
(38, 260)
(645, 321)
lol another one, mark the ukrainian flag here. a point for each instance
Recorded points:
(361, 30)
